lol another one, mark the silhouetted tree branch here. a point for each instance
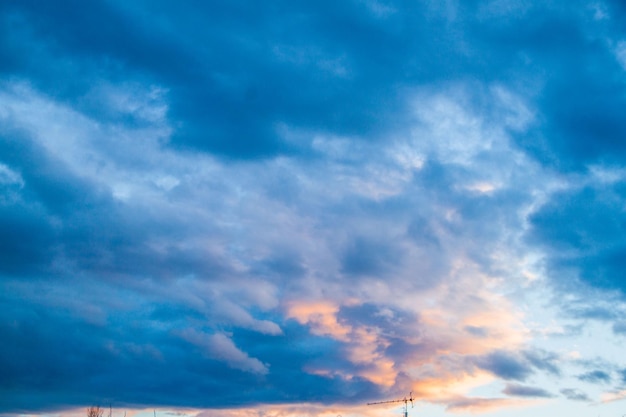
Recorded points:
(95, 411)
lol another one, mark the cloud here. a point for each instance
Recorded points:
(575, 394)
(370, 258)
(220, 346)
(543, 360)
(518, 365)
(364, 348)
(525, 391)
(619, 328)
(240, 85)
(622, 374)
(482, 405)
(476, 331)
(595, 377)
(313, 204)
(613, 396)
(576, 228)
(506, 365)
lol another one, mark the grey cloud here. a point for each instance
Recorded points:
(393, 320)
(506, 365)
(477, 331)
(369, 258)
(519, 366)
(544, 360)
(575, 394)
(526, 391)
(221, 346)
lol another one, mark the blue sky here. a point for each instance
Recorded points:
(290, 208)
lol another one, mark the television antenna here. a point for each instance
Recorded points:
(405, 400)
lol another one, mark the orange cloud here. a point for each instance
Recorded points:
(613, 396)
(300, 410)
(363, 344)
(483, 405)
(452, 324)
(320, 317)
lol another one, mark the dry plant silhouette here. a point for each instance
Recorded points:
(95, 411)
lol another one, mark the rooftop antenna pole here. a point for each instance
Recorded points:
(405, 400)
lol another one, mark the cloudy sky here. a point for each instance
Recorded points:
(294, 208)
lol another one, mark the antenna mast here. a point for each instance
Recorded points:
(405, 400)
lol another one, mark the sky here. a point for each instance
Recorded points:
(237, 208)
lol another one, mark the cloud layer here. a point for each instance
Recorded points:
(276, 208)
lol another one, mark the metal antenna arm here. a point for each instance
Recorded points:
(405, 400)
(386, 402)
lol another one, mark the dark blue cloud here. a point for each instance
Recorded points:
(58, 214)
(579, 126)
(233, 75)
(596, 377)
(583, 124)
(506, 365)
(582, 230)
(580, 122)
(241, 69)
(288, 356)
(91, 363)
(27, 240)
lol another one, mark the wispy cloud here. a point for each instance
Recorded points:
(595, 377)
(575, 394)
(517, 390)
